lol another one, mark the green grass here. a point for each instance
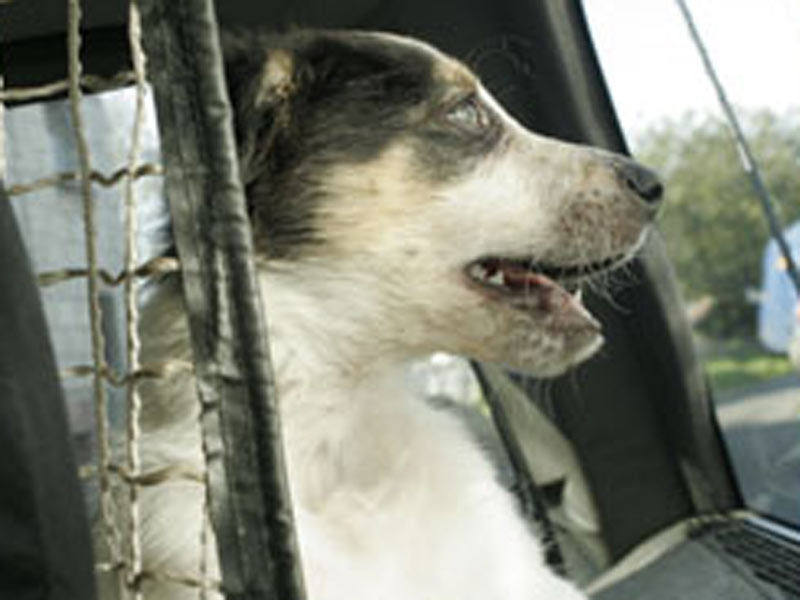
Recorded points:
(744, 364)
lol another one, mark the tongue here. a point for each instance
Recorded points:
(545, 294)
(518, 279)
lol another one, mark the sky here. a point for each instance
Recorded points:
(654, 71)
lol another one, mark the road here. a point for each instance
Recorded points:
(761, 426)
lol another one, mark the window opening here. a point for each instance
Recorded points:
(737, 284)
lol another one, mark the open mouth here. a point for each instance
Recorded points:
(514, 275)
(530, 285)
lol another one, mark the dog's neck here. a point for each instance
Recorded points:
(330, 328)
(336, 385)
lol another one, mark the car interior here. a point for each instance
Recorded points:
(622, 465)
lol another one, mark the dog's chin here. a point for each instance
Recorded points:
(540, 310)
(580, 349)
(544, 350)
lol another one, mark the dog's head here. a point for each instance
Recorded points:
(385, 180)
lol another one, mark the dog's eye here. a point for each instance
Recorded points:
(469, 113)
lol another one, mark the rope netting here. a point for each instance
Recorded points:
(119, 523)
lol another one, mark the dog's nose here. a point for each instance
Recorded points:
(641, 180)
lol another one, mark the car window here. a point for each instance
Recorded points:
(743, 309)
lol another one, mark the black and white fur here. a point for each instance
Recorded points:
(397, 210)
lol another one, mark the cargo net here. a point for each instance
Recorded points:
(109, 454)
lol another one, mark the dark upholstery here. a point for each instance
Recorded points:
(45, 550)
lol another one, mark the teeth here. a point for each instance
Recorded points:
(488, 275)
(478, 272)
(578, 295)
(496, 278)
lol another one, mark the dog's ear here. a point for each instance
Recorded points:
(275, 83)
(261, 80)
(331, 66)
(358, 68)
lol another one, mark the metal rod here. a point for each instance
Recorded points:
(746, 155)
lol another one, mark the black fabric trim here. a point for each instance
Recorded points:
(249, 499)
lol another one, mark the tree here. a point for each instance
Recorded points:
(712, 222)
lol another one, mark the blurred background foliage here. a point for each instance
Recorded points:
(716, 232)
(712, 222)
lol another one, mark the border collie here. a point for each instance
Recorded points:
(397, 210)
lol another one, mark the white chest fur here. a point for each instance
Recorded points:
(393, 500)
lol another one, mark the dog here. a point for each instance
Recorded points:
(397, 210)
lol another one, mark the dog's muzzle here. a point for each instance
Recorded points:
(640, 180)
